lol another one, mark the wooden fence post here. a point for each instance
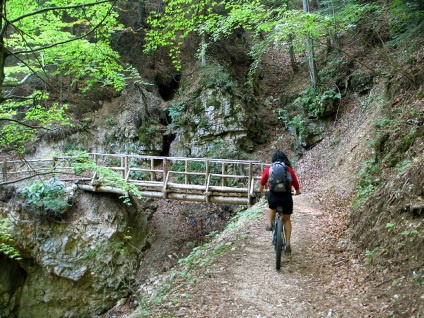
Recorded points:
(207, 170)
(4, 169)
(207, 180)
(186, 170)
(152, 166)
(165, 175)
(249, 183)
(125, 172)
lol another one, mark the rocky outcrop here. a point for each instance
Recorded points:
(78, 267)
(214, 115)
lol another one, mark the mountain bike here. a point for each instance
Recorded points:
(278, 237)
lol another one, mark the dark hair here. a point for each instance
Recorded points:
(282, 157)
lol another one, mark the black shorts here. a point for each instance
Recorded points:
(283, 199)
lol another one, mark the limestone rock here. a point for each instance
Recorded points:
(78, 267)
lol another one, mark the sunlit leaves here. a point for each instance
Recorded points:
(181, 18)
(39, 32)
(31, 117)
(271, 26)
(6, 240)
(57, 42)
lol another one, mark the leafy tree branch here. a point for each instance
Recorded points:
(22, 123)
(55, 8)
(85, 35)
(40, 34)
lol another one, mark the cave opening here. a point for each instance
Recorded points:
(168, 89)
(167, 141)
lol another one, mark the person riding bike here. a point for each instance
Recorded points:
(283, 199)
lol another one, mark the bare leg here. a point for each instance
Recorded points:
(287, 227)
(271, 217)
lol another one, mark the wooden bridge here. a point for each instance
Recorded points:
(177, 178)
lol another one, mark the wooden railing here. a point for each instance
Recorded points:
(176, 178)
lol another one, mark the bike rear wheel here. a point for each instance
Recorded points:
(278, 243)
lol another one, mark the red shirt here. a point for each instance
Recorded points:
(294, 183)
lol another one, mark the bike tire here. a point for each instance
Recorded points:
(278, 243)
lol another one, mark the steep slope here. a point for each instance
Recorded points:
(327, 274)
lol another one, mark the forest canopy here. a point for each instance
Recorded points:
(51, 49)
(48, 49)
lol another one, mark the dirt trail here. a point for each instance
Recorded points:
(257, 289)
(323, 276)
(243, 281)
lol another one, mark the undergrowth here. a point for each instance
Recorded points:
(388, 218)
(200, 259)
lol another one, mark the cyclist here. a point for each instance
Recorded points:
(280, 198)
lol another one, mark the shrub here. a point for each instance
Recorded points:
(48, 197)
(6, 239)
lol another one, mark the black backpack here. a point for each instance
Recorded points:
(279, 177)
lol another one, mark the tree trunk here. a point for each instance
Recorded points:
(311, 56)
(203, 50)
(336, 38)
(291, 48)
(318, 4)
(3, 51)
(292, 56)
(141, 12)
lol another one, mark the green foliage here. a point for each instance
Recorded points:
(369, 255)
(59, 34)
(383, 123)
(82, 162)
(72, 39)
(175, 111)
(298, 123)
(251, 213)
(419, 278)
(219, 249)
(114, 248)
(312, 100)
(369, 180)
(405, 15)
(333, 68)
(148, 131)
(181, 18)
(24, 119)
(283, 115)
(215, 76)
(47, 197)
(90, 255)
(111, 122)
(250, 15)
(389, 225)
(409, 233)
(6, 240)
(334, 141)
(271, 24)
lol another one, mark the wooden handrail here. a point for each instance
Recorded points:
(155, 177)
